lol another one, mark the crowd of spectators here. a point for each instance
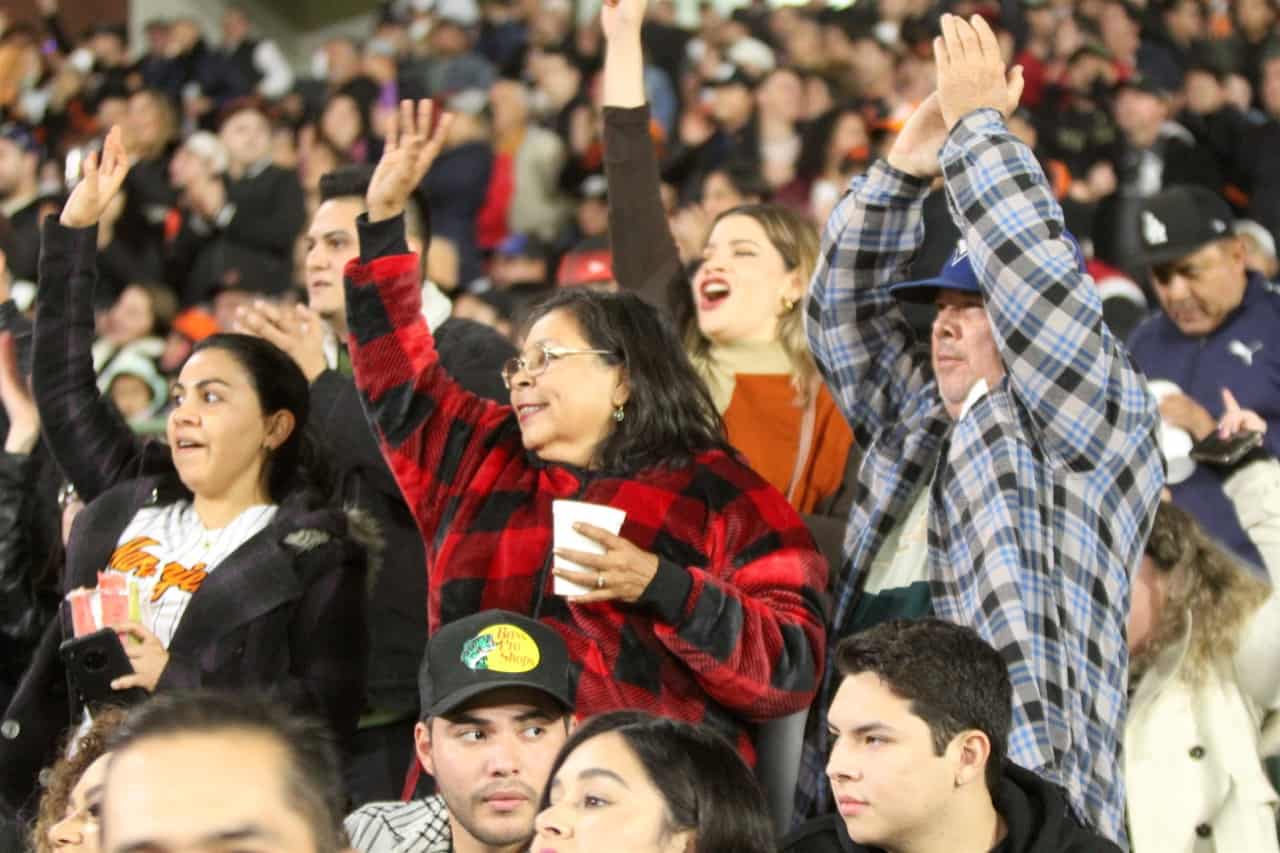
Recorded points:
(866, 339)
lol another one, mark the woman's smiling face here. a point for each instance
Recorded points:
(567, 411)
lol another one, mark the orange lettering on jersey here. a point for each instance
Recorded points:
(132, 560)
(178, 576)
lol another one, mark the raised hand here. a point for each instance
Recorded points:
(101, 179)
(621, 17)
(915, 151)
(409, 151)
(971, 70)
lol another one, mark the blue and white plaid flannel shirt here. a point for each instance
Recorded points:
(1042, 493)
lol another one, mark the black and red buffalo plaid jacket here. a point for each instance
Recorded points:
(730, 630)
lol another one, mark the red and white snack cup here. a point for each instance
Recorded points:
(82, 621)
(113, 596)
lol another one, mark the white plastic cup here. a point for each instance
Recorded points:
(1175, 442)
(565, 515)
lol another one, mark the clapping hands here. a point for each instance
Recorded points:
(971, 76)
(971, 70)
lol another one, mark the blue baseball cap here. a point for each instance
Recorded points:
(958, 274)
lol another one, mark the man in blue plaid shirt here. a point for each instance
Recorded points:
(1011, 471)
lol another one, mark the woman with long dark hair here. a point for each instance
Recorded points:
(245, 576)
(705, 606)
(629, 782)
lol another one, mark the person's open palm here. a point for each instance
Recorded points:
(409, 151)
(621, 16)
(971, 70)
(102, 178)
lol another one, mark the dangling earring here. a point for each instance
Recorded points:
(787, 304)
(618, 414)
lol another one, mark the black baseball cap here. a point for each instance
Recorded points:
(492, 649)
(1176, 222)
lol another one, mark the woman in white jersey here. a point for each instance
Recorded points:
(247, 577)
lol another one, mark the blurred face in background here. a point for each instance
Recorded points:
(719, 194)
(131, 317)
(849, 140)
(247, 136)
(235, 27)
(731, 105)
(148, 124)
(16, 168)
(781, 96)
(187, 167)
(341, 122)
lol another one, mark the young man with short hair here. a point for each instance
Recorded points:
(920, 726)
(497, 703)
(206, 770)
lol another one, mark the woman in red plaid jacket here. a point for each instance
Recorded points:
(708, 605)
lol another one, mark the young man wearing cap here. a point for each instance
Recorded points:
(1217, 330)
(497, 703)
(920, 726)
(1010, 475)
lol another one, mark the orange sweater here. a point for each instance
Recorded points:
(764, 420)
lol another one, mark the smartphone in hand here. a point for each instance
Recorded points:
(1225, 452)
(93, 662)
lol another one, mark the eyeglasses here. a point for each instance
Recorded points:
(540, 359)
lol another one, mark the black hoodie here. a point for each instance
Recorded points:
(1035, 813)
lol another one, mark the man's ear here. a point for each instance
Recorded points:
(422, 746)
(972, 750)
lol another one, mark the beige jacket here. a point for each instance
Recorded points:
(1193, 753)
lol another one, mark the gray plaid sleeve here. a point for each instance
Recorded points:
(861, 341)
(1088, 401)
